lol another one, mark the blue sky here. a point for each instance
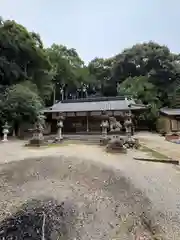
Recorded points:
(98, 28)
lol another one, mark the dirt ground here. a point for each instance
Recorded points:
(159, 144)
(81, 192)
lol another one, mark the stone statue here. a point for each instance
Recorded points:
(40, 125)
(116, 144)
(38, 138)
(114, 125)
(40, 121)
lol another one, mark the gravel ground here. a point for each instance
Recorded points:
(94, 196)
(74, 199)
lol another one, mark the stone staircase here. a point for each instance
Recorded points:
(86, 138)
(90, 139)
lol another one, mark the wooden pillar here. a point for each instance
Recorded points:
(87, 122)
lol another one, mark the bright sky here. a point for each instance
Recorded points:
(98, 28)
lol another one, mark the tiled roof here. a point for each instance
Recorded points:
(94, 106)
(170, 111)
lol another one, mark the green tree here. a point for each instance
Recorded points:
(152, 60)
(100, 69)
(68, 70)
(143, 91)
(139, 88)
(23, 57)
(68, 54)
(20, 104)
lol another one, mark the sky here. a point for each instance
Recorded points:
(98, 28)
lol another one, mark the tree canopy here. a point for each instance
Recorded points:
(32, 76)
(21, 103)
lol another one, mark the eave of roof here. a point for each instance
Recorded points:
(114, 105)
(170, 111)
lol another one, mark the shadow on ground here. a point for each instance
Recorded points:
(39, 219)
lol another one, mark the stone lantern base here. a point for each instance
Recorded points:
(104, 140)
(4, 139)
(37, 139)
(59, 136)
(36, 142)
(5, 135)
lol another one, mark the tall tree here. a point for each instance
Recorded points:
(20, 104)
(23, 57)
(100, 69)
(148, 59)
(144, 92)
(68, 70)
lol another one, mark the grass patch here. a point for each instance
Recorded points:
(153, 153)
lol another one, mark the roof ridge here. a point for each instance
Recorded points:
(96, 99)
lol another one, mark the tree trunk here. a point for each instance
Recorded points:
(18, 131)
(14, 132)
(54, 95)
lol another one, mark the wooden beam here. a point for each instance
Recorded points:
(176, 162)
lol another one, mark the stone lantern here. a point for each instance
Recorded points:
(128, 124)
(128, 127)
(104, 126)
(5, 132)
(59, 128)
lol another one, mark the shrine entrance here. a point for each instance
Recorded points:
(74, 125)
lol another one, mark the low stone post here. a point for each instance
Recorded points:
(5, 132)
(59, 131)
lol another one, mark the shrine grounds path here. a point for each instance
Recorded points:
(105, 196)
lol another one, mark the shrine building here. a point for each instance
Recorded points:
(84, 115)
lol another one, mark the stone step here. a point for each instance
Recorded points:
(85, 140)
